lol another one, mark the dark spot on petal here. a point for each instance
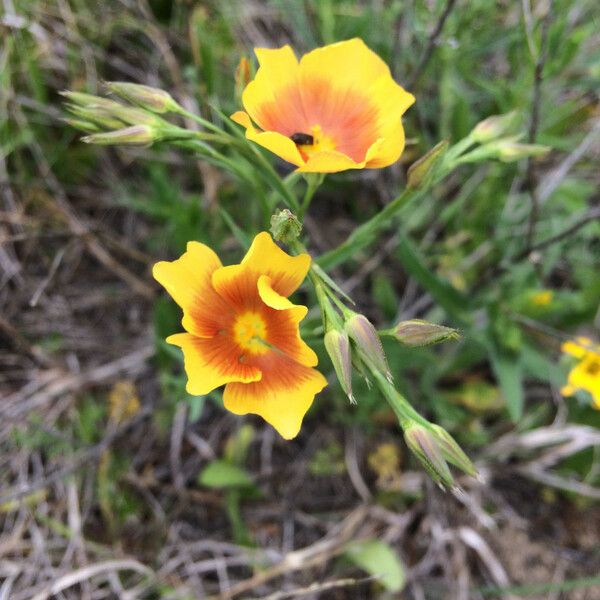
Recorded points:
(302, 139)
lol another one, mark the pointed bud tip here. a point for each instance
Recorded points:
(416, 333)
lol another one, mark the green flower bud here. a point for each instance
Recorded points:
(493, 127)
(368, 344)
(147, 97)
(420, 169)
(285, 226)
(415, 333)
(95, 115)
(424, 446)
(511, 151)
(137, 135)
(452, 452)
(337, 345)
(82, 125)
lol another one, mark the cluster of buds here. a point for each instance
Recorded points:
(109, 122)
(495, 144)
(351, 340)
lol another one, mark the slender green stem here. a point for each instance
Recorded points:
(404, 411)
(364, 234)
(313, 181)
(200, 120)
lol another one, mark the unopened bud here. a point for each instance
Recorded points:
(152, 99)
(138, 135)
(493, 127)
(452, 452)
(511, 151)
(285, 226)
(242, 76)
(96, 115)
(368, 344)
(423, 445)
(83, 99)
(82, 125)
(337, 345)
(415, 333)
(424, 165)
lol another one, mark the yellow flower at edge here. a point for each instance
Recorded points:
(337, 108)
(585, 375)
(241, 330)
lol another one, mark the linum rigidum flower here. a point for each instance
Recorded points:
(585, 375)
(337, 108)
(242, 331)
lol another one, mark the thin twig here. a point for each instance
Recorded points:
(433, 38)
(532, 178)
(317, 588)
(590, 215)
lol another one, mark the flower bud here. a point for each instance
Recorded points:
(285, 226)
(368, 344)
(423, 445)
(137, 135)
(452, 452)
(82, 125)
(337, 345)
(511, 151)
(493, 127)
(424, 165)
(96, 115)
(152, 99)
(415, 333)
(83, 99)
(243, 76)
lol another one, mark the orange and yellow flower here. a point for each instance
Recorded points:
(337, 108)
(241, 330)
(585, 375)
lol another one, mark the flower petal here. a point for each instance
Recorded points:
(212, 363)
(271, 140)
(350, 63)
(267, 258)
(577, 348)
(275, 85)
(282, 397)
(188, 281)
(283, 324)
(329, 161)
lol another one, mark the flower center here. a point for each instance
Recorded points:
(318, 141)
(593, 367)
(250, 331)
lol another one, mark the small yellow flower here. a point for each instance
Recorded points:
(542, 298)
(123, 401)
(585, 375)
(337, 108)
(385, 461)
(242, 331)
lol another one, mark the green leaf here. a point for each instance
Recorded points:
(221, 474)
(380, 560)
(509, 373)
